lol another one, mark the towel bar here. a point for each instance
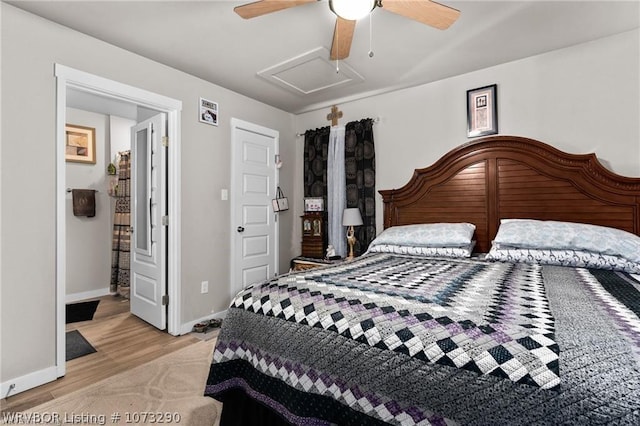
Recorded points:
(69, 190)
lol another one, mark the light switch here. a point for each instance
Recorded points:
(224, 194)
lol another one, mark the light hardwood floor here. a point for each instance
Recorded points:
(122, 341)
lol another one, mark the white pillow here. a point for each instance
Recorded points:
(575, 258)
(553, 235)
(427, 235)
(424, 251)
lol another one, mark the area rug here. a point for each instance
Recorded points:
(77, 345)
(171, 384)
(81, 311)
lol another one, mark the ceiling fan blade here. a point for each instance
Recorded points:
(342, 37)
(262, 7)
(425, 11)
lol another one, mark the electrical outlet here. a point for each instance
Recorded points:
(204, 287)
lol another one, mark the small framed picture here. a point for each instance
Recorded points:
(482, 111)
(208, 112)
(314, 204)
(80, 144)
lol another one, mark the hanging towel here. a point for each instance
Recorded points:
(84, 202)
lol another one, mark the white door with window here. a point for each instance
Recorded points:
(254, 240)
(149, 235)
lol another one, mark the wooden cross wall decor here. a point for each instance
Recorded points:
(335, 114)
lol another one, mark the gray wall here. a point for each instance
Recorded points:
(30, 47)
(581, 99)
(89, 238)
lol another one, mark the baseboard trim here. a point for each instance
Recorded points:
(188, 327)
(28, 381)
(75, 297)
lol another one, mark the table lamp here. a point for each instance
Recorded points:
(351, 217)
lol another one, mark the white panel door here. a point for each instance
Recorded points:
(149, 236)
(254, 223)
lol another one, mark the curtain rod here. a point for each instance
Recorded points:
(375, 120)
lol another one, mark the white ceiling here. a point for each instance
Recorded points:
(207, 39)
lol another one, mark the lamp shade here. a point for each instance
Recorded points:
(352, 9)
(351, 217)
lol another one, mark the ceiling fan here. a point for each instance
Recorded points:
(348, 11)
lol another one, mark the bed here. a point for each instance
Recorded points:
(503, 290)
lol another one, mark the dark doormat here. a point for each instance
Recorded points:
(77, 345)
(81, 311)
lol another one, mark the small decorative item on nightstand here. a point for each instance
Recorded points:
(331, 251)
(314, 238)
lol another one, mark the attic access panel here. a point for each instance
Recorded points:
(310, 73)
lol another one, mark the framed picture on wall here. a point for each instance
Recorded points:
(482, 111)
(314, 204)
(80, 144)
(208, 112)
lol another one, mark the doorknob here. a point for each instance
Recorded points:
(240, 229)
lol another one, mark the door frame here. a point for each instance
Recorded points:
(67, 77)
(235, 188)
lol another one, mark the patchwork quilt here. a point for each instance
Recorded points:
(405, 340)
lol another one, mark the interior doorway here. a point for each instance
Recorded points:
(118, 246)
(110, 91)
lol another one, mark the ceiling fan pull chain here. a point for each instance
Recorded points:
(371, 34)
(337, 43)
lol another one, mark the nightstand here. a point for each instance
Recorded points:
(302, 263)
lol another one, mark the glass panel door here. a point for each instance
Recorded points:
(142, 196)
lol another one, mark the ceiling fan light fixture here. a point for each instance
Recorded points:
(352, 10)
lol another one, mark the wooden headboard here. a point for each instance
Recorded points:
(500, 177)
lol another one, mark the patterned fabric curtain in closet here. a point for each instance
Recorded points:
(120, 252)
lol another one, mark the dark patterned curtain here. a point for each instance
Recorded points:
(316, 146)
(360, 167)
(121, 229)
